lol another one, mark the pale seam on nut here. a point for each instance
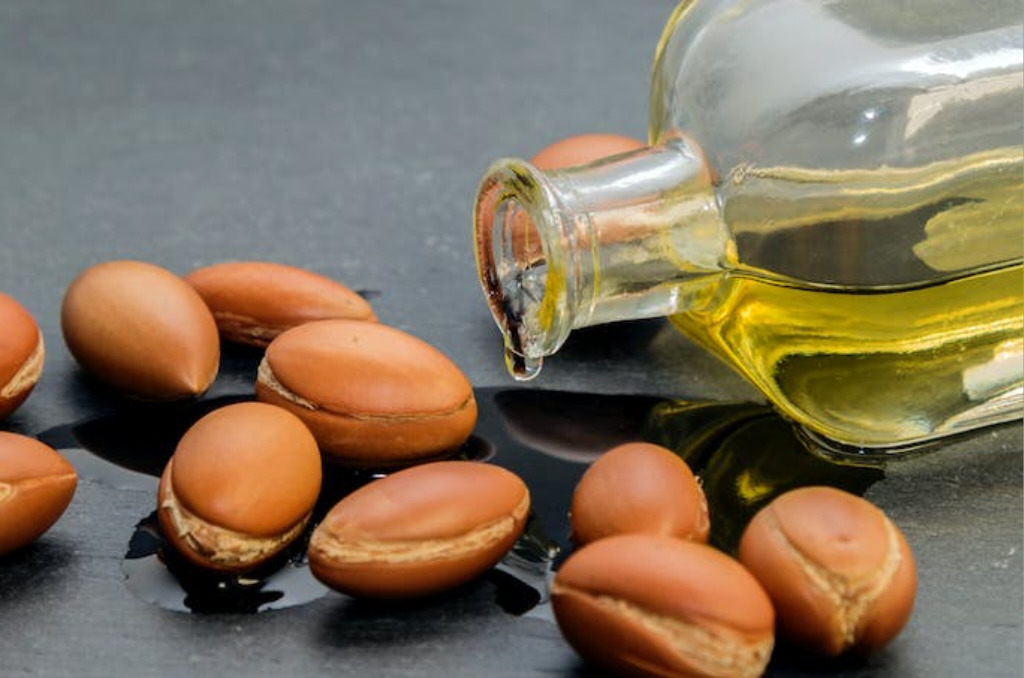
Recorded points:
(850, 599)
(221, 545)
(28, 373)
(715, 650)
(703, 514)
(247, 325)
(6, 492)
(410, 551)
(265, 375)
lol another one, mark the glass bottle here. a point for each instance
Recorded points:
(830, 202)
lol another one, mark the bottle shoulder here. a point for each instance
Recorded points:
(841, 85)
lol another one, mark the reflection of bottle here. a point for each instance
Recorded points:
(760, 460)
(831, 203)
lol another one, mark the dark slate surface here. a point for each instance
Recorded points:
(348, 138)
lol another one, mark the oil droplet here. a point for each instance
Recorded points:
(520, 366)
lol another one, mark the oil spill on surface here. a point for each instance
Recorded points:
(139, 437)
(160, 576)
(744, 453)
(129, 449)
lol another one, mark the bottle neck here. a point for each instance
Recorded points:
(612, 240)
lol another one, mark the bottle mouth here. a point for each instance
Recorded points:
(520, 264)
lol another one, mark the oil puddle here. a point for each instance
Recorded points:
(744, 453)
(160, 576)
(129, 449)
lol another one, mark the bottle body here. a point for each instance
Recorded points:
(871, 370)
(831, 204)
(858, 142)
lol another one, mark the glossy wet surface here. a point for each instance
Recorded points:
(744, 454)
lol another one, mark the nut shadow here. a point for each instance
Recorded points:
(789, 660)
(236, 375)
(611, 342)
(138, 436)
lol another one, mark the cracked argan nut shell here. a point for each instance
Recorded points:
(638, 488)
(21, 354)
(142, 330)
(254, 301)
(240, 486)
(373, 396)
(36, 486)
(420, 531)
(840, 574)
(652, 605)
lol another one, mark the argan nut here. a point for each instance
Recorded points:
(36, 486)
(583, 148)
(840, 574)
(652, 605)
(142, 330)
(21, 354)
(638, 488)
(240, 486)
(254, 301)
(372, 395)
(420, 531)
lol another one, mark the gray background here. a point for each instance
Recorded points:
(348, 138)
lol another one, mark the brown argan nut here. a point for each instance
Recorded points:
(420, 531)
(372, 395)
(583, 148)
(638, 488)
(651, 605)
(21, 354)
(142, 330)
(840, 574)
(36, 486)
(240, 486)
(254, 301)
